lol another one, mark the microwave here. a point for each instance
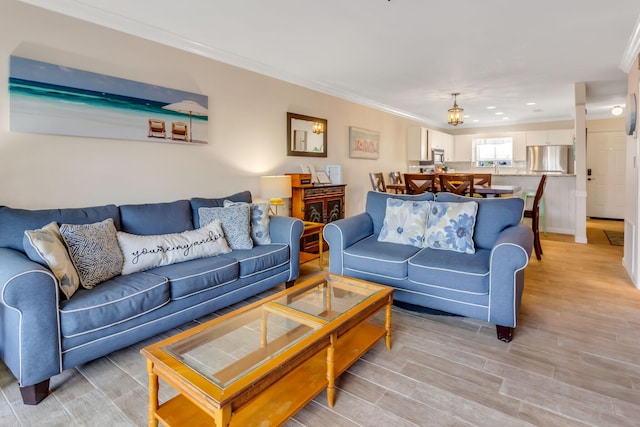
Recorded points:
(437, 154)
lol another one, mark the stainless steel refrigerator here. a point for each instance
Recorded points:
(551, 159)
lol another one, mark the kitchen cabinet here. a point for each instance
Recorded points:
(463, 151)
(519, 140)
(550, 137)
(417, 143)
(442, 141)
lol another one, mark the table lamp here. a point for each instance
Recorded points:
(275, 188)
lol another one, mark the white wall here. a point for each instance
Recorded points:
(247, 125)
(631, 259)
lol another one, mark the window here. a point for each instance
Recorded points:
(490, 152)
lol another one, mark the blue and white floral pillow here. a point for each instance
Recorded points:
(259, 221)
(450, 226)
(404, 222)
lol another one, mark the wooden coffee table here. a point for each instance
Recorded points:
(265, 361)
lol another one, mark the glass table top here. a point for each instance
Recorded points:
(233, 346)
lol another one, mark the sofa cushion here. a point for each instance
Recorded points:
(157, 218)
(404, 222)
(94, 250)
(494, 215)
(201, 202)
(45, 246)
(112, 302)
(259, 221)
(235, 224)
(260, 258)
(450, 226)
(190, 277)
(14, 222)
(382, 258)
(377, 205)
(145, 252)
(467, 273)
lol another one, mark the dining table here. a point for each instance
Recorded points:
(495, 190)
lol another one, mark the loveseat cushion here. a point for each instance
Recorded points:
(494, 215)
(157, 218)
(377, 205)
(190, 277)
(201, 202)
(13, 222)
(261, 258)
(468, 273)
(114, 301)
(382, 258)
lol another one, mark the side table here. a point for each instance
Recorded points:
(312, 229)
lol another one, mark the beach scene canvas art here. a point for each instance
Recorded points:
(54, 99)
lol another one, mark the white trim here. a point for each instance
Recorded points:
(165, 36)
(632, 49)
(447, 289)
(513, 304)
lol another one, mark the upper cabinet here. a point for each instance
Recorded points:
(463, 148)
(550, 137)
(420, 142)
(417, 143)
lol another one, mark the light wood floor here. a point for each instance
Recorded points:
(575, 360)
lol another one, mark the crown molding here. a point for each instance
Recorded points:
(633, 49)
(79, 10)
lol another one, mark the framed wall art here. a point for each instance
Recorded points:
(363, 143)
(54, 99)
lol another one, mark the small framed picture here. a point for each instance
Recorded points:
(323, 178)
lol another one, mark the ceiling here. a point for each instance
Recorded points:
(406, 56)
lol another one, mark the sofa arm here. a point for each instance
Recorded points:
(509, 256)
(284, 229)
(343, 233)
(30, 339)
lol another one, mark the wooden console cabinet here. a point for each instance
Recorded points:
(323, 204)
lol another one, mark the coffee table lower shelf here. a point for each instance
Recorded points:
(281, 400)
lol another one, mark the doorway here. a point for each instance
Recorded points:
(606, 153)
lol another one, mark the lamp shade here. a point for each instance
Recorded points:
(275, 188)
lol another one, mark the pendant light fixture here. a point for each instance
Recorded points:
(317, 128)
(456, 114)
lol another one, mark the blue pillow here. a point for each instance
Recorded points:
(450, 226)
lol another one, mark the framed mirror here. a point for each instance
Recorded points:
(306, 136)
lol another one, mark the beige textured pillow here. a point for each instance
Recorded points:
(45, 246)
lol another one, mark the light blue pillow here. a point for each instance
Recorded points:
(259, 221)
(235, 224)
(450, 226)
(404, 222)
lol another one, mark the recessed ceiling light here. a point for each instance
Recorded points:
(499, 113)
(537, 110)
(492, 107)
(531, 103)
(466, 116)
(475, 120)
(617, 110)
(505, 118)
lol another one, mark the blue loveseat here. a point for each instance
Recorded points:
(486, 285)
(42, 333)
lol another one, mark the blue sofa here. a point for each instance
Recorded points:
(486, 285)
(42, 333)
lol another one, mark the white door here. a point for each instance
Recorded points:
(606, 174)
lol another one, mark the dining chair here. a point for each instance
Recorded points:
(534, 214)
(396, 185)
(457, 183)
(481, 179)
(396, 177)
(377, 182)
(417, 183)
